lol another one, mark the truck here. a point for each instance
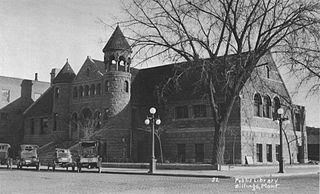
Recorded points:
(5, 159)
(28, 156)
(88, 156)
(62, 158)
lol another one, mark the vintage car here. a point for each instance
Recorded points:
(88, 156)
(4, 155)
(28, 156)
(62, 158)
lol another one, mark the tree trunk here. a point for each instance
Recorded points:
(219, 146)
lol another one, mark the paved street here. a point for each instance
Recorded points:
(31, 181)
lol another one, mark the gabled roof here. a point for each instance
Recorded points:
(100, 65)
(95, 67)
(117, 41)
(66, 75)
(42, 106)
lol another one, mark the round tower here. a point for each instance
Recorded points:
(117, 80)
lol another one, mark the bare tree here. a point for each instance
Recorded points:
(223, 40)
(302, 59)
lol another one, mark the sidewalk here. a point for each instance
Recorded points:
(236, 172)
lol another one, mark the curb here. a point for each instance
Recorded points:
(277, 175)
(108, 171)
(167, 174)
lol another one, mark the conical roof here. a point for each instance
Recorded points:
(117, 41)
(66, 74)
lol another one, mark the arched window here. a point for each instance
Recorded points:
(276, 105)
(75, 92)
(257, 105)
(86, 90)
(74, 120)
(112, 63)
(92, 90)
(98, 90)
(80, 91)
(107, 86)
(267, 107)
(122, 63)
(267, 71)
(126, 86)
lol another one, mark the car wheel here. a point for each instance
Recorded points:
(73, 168)
(53, 168)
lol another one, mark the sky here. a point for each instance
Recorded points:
(38, 35)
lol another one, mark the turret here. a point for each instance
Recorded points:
(61, 99)
(117, 53)
(117, 79)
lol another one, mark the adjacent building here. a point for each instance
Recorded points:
(16, 96)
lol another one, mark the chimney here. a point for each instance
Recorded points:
(26, 89)
(36, 77)
(53, 74)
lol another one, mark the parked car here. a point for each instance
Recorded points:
(62, 158)
(88, 156)
(4, 155)
(28, 156)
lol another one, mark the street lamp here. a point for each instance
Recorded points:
(153, 122)
(280, 118)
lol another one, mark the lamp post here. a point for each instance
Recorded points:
(280, 118)
(153, 122)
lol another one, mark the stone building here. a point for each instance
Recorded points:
(16, 96)
(108, 101)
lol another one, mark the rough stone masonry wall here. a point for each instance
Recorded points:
(115, 109)
(260, 130)
(191, 131)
